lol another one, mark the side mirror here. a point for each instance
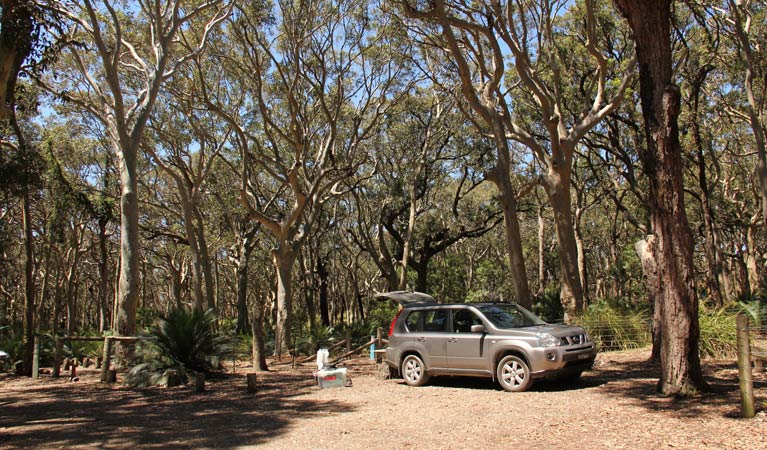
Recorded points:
(477, 328)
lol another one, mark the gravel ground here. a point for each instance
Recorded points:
(612, 407)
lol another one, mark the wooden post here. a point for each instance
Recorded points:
(252, 384)
(379, 344)
(200, 382)
(348, 340)
(112, 376)
(36, 359)
(744, 368)
(106, 357)
(58, 349)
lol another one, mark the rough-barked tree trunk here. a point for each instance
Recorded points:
(650, 22)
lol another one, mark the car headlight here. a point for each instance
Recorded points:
(547, 340)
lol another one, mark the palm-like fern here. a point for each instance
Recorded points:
(188, 338)
(184, 340)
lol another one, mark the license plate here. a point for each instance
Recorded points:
(583, 356)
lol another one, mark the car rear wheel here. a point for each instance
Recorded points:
(414, 371)
(513, 374)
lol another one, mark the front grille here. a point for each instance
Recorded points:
(576, 339)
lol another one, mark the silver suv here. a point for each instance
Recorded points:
(499, 340)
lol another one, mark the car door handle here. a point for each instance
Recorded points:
(453, 340)
(421, 339)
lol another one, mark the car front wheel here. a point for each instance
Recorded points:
(513, 374)
(414, 371)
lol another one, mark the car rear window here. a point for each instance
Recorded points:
(412, 320)
(433, 320)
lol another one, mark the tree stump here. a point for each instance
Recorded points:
(200, 382)
(252, 385)
(172, 378)
(111, 376)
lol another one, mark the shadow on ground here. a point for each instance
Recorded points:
(52, 413)
(638, 380)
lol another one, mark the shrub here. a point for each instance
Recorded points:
(549, 307)
(718, 335)
(614, 328)
(185, 340)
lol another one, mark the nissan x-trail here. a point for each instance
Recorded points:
(499, 340)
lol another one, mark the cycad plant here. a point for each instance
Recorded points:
(184, 340)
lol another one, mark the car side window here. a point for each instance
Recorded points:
(463, 319)
(435, 320)
(412, 321)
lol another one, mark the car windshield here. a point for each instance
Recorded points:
(510, 316)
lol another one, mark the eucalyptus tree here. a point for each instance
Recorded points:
(732, 37)
(19, 37)
(672, 248)
(744, 23)
(186, 145)
(482, 39)
(304, 90)
(119, 58)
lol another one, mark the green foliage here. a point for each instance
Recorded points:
(185, 340)
(549, 307)
(312, 340)
(359, 332)
(381, 316)
(614, 328)
(83, 349)
(756, 310)
(447, 278)
(718, 335)
(13, 344)
(145, 318)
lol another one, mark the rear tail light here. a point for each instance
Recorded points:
(391, 327)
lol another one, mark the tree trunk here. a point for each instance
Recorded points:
(322, 273)
(103, 277)
(508, 200)
(241, 272)
(422, 271)
(650, 22)
(557, 184)
(582, 266)
(191, 239)
(710, 246)
(205, 261)
(128, 284)
(541, 251)
(283, 258)
(29, 284)
(257, 329)
(645, 249)
(752, 266)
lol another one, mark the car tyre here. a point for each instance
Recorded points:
(513, 374)
(414, 371)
